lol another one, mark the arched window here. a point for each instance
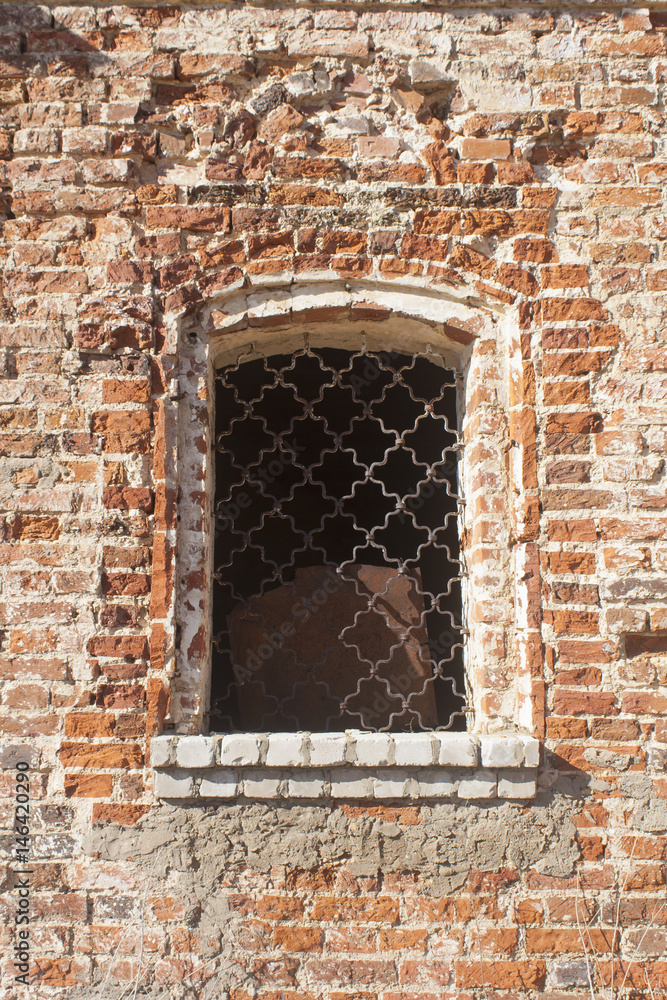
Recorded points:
(337, 572)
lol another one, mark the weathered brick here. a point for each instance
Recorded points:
(122, 431)
(101, 755)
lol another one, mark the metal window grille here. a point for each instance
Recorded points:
(337, 581)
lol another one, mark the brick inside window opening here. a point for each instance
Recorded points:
(337, 581)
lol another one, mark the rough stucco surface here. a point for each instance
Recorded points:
(180, 181)
(445, 843)
(208, 854)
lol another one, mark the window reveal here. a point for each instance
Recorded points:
(337, 583)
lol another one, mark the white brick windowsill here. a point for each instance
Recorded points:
(345, 765)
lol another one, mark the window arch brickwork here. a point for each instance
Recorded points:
(500, 612)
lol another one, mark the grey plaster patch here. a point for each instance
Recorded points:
(450, 838)
(206, 851)
(651, 815)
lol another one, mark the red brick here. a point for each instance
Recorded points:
(368, 910)
(211, 219)
(97, 786)
(575, 622)
(584, 703)
(518, 279)
(128, 498)
(129, 584)
(280, 908)
(423, 247)
(118, 645)
(123, 815)
(546, 941)
(564, 276)
(353, 972)
(475, 173)
(99, 756)
(35, 527)
(643, 703)
(89, 724)
(297, 939)
(61, 973)
(440, 162)
(555, 310)
(271, 245)
(117, 696)
(486, 149)
(425, 972)
(127, 431)
(517, 975)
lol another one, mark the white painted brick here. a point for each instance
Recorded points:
(372, 749)
(414, 749)
(285, 750)
(392, 784)
(261, 785)
(348, 784)
(531, 751)
(327, 749)
(517, 784)
(457, 750)
(239, 750)
(173, 785)
(161, 751)
(481, 785)
(306, 785)
(195, 751)
(221, 784)
(436, 784)
(502, 750)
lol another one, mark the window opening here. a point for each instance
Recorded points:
(337, 582)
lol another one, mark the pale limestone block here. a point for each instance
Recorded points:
(501, 750)
(195, 751)
(161, 751)
(517, 784)
(173, 784)
(436, 784)
(261, 785)
(429, 70)
(348, 784)
(306, 784)
(285, 750)
(372, 749)
(480, 785)
(221, 784)
(414, 749)
(392, 784)
(457, 750)
(327, 749)
(531, 751)
(239, 750)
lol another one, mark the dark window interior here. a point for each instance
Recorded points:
(337, 597)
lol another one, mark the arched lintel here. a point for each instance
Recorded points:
(387, 315)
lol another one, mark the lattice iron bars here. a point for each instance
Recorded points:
(337, 593)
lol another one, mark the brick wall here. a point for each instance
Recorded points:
(173, 176)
